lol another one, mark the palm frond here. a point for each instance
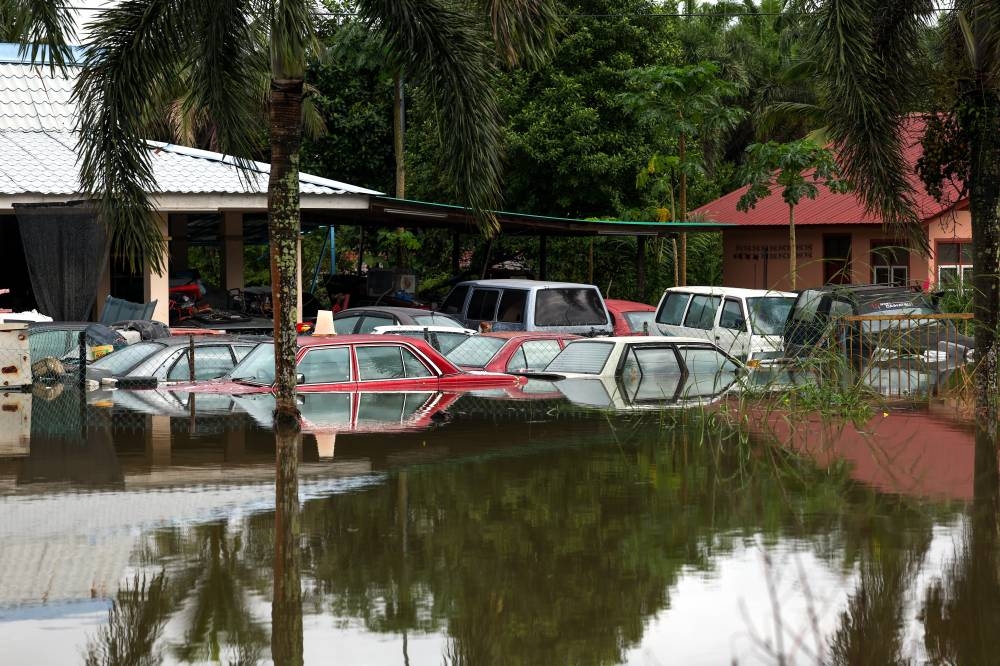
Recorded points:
(524, 30)
(866, 50)
(45, 29)
(444, 49)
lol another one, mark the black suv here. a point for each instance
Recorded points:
(813, 322)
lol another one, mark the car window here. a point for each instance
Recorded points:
(325, 365)
(533, 355)
(657, 360)
(732, 315)
(701, 314)
(807, 305)
(257, 367)
(483, 304)
(672, 310)
(210, 361)
(123, 360)
(638, 321)
(768, 314)
(584, 357)
(576, 306)
(512, 303)
(706, 360)
(345, 325)
(475, 351)
(242, 350)
(413, 366)
(448, 341)
(455, 300)
(51, 343)
(369, 322)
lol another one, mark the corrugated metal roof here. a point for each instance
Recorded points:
(38, 144)
(33, 99)
(44, 162)
(827, 207)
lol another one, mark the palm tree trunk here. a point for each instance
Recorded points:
(399, 147)
(984, 197)
(792, 267)
(283, 228)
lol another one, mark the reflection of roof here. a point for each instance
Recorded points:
(828, 207)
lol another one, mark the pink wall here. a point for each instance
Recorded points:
(757, 257)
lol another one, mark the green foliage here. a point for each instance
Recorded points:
(796, 167)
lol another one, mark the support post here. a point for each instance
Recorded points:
(232, 250)
(157, 285)
(543, 258)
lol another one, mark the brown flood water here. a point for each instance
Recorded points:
(428, 529)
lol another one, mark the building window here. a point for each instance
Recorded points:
(954, 263)
(890, 263)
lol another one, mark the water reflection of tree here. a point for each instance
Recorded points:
(962, 611)
(135, 621)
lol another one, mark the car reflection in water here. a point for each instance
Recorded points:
(326, 413)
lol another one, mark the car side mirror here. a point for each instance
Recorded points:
(300, 378)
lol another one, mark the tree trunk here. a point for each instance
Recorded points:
(984, 197)
(399, 148)
(286, 604)
(682, 151)
(792, 264)
(283, 230)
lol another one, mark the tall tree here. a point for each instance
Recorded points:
(798, 168)
(873, 66)
(686, 107)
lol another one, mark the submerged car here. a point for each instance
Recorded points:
(657, 368)
(356, 362)
(631, 317)
(366, 318)
(873, 323)
(509, 351)
(168, 359)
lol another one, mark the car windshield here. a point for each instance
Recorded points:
(127, 358)
(575, 306)
(584, 357)
(636, 320)
(257, 367)
(475, 351)
(437, 319)
(768, 314)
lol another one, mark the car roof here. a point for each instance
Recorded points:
(534, 335)
(418, 328)
(619, 304)
(866, 290)
(731, 291)
(630, 339)
(354, 338)
(523, 284)
(389, 309)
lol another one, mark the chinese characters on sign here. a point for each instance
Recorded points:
(771, 251)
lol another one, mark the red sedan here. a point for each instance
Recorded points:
(356, 363)
(509, 351)
(630, 317)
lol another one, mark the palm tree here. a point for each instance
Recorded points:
(138, 47)
(870, 56)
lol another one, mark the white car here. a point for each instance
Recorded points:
(643, 370)
(442, 338)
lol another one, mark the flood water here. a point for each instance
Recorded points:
(421, 529)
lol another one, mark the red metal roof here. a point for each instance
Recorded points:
(828, 207)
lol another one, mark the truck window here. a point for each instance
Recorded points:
(701, 314)
(672, 310)
(455, 300)
(483, 305)
(569, 307)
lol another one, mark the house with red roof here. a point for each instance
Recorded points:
(838, 241)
